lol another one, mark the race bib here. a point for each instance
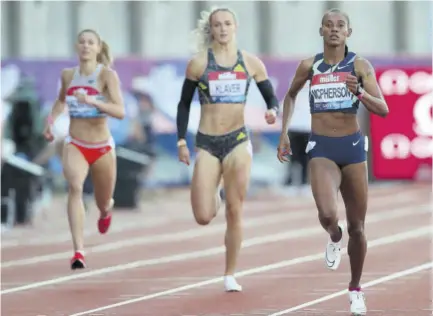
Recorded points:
(77, 109)
(329, 91)
(227, 84)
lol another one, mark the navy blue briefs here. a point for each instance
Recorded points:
(343, 150)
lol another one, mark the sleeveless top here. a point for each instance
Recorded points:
(328, 91)
(87, 85)
(223, 84)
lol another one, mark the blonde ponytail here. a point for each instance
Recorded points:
(104, 57)
(202, 34)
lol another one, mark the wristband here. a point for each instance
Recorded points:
(181, 142)
(360, 93)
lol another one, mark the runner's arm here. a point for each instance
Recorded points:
(260, 75)
(184, 105)
(370, 95)
(59, 104)
(298, 82)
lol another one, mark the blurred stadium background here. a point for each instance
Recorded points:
(151, 43)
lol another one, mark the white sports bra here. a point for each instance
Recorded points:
(89, 86)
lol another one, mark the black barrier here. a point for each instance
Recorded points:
(129, 165)
(23, 129)
(20, 180)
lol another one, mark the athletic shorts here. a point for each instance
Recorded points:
(221, 145)
(343, 150)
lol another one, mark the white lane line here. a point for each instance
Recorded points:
(199, 232)
(123, 224)
(260, 240)
(304, 232)
(384, 279)
(161, 238)
(57, 237)
(164, 219)
(416, 233)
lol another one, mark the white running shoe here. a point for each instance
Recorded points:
(357, 303)
(333, 252)
(231, 285)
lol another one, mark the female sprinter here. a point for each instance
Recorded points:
(337, 149)
(91, 91)
(222, 74)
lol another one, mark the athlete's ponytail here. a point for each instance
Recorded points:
(104, 57)
(346, 50)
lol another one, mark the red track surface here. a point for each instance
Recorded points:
(150, 257)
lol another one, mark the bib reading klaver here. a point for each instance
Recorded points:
(220, 84)
(227, 86)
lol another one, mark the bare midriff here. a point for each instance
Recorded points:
(334, 124)
(92, 130)
(222, 118)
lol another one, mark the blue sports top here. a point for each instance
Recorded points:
(328, 91)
